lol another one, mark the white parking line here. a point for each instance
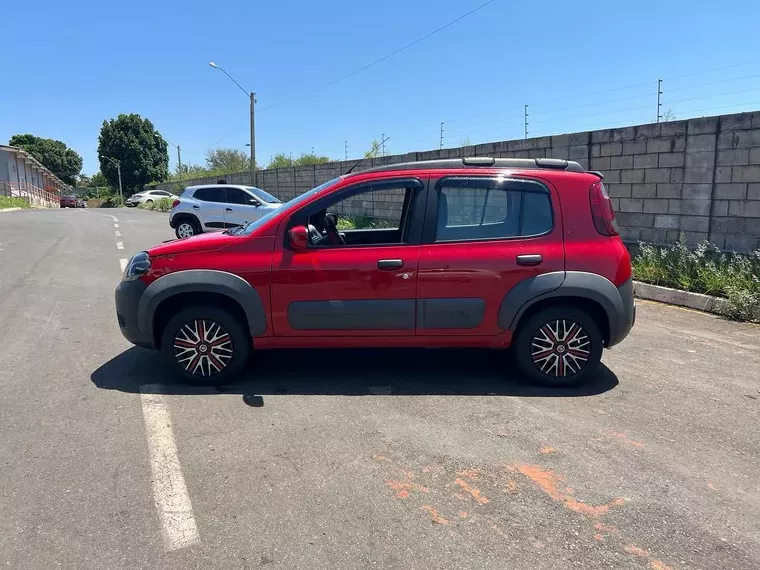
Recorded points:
(119, 245)
(116, 225)
(118, 234)
(123, 263)
(178, 526)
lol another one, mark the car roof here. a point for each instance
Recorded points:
(199, 186)
(482, 162)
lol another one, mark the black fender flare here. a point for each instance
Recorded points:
(560, 284)
(176, 218)
(202, 281)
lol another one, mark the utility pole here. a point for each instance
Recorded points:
(179, 162)
(121, 192)
(526, 122)
(253, 141)
(441, 145)
(659, 100)
(382, 137)
(345, 149)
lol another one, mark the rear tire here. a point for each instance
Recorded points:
(187, 227)
(558, 346)
(206, 345)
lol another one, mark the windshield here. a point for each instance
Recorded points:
(263, 196)
(294, 203)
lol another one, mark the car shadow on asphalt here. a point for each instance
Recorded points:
(348, 372)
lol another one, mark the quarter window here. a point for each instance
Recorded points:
(491, 209)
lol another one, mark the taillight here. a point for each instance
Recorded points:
(601, 210)
(175, 203)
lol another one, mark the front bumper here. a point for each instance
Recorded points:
(128, 295)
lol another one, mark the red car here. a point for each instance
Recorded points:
(474, 252)
(69, 202)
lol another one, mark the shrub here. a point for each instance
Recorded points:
(706, 269)
(12, 202)
(112, 202)
(162, 205)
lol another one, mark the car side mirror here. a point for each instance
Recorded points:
(254, 202)
(299, 237)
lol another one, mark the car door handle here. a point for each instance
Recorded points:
(196, 207)
(390, 263)
(532, 259)
(228, 209)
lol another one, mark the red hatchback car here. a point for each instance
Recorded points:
(474, 252)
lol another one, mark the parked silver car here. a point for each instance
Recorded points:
(215, 207)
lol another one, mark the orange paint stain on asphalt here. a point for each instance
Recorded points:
(598, 537)
(546, 449)
(473, 491)
(471, 474)
(402, 488)
(711, 486)
(606, 528)
(433, 469)
(434, 516)
(462, 515)
(547, 481)
(657, 565)
(510, 486)
(636, 551)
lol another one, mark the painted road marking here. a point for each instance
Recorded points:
(123, 263)
(178, 526)
(118, 234)
(119, 245)
(116, 225)
(114, 218)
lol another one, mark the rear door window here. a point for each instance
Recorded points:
(485, 208)
(213, 194)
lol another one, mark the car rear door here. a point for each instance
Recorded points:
(483, 235)
(212, 202)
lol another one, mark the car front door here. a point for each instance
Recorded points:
(483, 236)
(360, 280)
(241, 207)
(212, 202)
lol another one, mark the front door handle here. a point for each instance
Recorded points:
(390, 263)
(532, 259)
(228, 209)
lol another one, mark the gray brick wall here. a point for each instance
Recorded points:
(694, 179)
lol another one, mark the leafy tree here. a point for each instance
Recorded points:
(83, 181)
(280, 160)
(99, 180)
(54, 155)
(137, 146)
(227, 160)
(374, 150)
(310, 158)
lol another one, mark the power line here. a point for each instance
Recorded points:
(388, 56)
(712, 83)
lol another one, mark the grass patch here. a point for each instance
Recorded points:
(11, 202)
(706, 269)
(162, 205)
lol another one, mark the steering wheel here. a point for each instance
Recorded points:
(332, 232)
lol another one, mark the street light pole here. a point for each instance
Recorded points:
(121, 192)
(252, 98)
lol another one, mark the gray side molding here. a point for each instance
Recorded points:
(522, 295)
(575, 284)
(202, 281)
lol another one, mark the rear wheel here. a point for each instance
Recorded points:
(558, 346)
(186, 228)
(206, 345)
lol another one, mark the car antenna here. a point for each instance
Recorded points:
(373, 149)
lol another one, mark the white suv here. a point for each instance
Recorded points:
(215, 207)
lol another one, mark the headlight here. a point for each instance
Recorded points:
(138, 265)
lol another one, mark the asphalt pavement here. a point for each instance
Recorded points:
(361, 459)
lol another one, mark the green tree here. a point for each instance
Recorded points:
(54, 155)
(310, 158)
(374, 150)
(227, 160)
(280, 160)
(99, 180)
(139, 149)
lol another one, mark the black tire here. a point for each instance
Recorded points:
(549, 350)
(198, 365)
(187, 222)
(148, 201)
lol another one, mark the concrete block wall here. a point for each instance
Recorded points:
(694, 179)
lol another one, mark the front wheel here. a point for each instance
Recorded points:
(206, 345)
(558, 346)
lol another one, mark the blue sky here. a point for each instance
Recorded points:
(70, 65)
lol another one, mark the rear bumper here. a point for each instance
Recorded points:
(128, 294)
(623, 321)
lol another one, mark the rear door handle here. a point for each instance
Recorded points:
(390, 263)
(532, 259)
(228, 209)
(196, 207)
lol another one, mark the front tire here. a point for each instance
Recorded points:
(206, 345)
(186, 228)
(558, 346)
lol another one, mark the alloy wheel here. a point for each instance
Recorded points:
(185, 229)
(560, 348)
(203, 347)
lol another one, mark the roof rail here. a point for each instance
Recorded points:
(485, 162)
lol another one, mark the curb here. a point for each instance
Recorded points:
(698, 301)
(9, 209)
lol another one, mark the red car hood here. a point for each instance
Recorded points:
(202, 242)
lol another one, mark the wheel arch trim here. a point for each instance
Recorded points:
(202, 281)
